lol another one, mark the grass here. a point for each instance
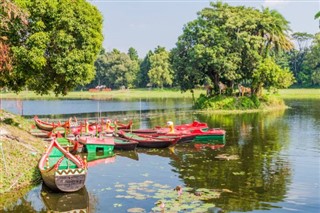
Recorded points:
(150, 94)
(300, 93)
(21, 153)
(115, 94)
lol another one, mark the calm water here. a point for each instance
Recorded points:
(59, 108)
(271, 162)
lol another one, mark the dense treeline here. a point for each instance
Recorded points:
(53, 45)
(233, 45)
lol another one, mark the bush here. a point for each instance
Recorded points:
(236, 103)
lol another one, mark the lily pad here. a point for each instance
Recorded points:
(136, 210)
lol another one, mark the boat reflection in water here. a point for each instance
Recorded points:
(128, 154)
(100, 158)
(65, 202)
(212, 144)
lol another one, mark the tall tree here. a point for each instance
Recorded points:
(58, 52)
(312, 62)
(115, 69)
(145, 66)
(228, 43)
(160, 73)
(133, 54)
(297, 57)
(13, 24)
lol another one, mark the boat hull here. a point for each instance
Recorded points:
(66, 180)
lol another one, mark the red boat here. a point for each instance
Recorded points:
(190, 126)
(48, 126)
(195, 125)
(61, 170)
(149, 142)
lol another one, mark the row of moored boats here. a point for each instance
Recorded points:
(64, 169)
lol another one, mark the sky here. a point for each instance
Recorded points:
(146, 24)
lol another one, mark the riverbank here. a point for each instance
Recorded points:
(19, 154)
(133, 94)
(149, 94)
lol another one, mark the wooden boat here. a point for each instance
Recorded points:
(65, 202)
(120, 125)
(46, 125)
(149, 142)
(68, 144)
(184, 137)
(211, 134)
(40, 133)
(195, 125)
(191, 126)
(62, 171)
(124, 144)
(94, 144)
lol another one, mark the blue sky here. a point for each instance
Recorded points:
(145, 24)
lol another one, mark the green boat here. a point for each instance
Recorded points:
(93, 144)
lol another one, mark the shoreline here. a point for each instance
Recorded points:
(137, 94)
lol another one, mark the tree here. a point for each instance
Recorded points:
(160, 73)
(297, 57)
(115, 69)
(13, 23)
(227, 44)
(61, 44)
(312, 62)
(271, 76)
(145, 66)
(133, 54)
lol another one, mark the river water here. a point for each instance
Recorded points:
(270, 162)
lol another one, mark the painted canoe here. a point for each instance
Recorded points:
(61, 170)
(195, 125)
(124, 144)
(184, 137)
(46, 125)
(149, 142)
(192, 126)
(211, 134)
(94, 144)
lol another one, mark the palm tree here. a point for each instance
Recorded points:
(274, 29)
(317, 16)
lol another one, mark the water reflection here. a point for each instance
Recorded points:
(269, 161)
(96, 107)
(65, 202)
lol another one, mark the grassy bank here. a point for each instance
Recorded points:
(151, 94)
(115, 94)
(233, 104)
(19, 154)
(300, 93)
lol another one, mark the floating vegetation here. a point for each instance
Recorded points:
(168, 198)
(136, 210)
(238, 173)
(227, 157)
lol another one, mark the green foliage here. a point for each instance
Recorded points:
(160, 73)
(115, 69)
(312, 62)
(145, 66)
(13, 23)
(237, 103)
(61, 44)
(133, 54)
(227, 43)
(270, 75)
